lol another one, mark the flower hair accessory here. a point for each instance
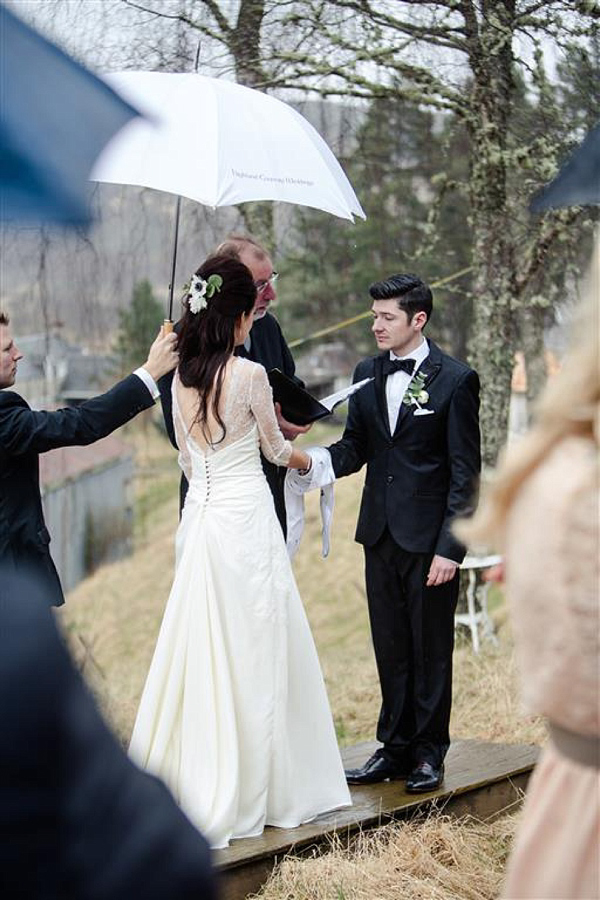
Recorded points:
(200, 291)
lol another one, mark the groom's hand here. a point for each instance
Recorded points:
(441, 571)
(162, 356)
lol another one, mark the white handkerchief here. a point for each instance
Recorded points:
(321, 476)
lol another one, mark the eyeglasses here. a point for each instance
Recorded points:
(262, 285)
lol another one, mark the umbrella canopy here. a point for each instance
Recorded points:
(55, 117)
(578, 182)
(220, 143)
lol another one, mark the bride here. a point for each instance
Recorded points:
(234, 715)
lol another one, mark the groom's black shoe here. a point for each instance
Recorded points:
(424, 777)
(377, 768)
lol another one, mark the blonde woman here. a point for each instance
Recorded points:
(542, 511)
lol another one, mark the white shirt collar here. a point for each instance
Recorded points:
(419, 354)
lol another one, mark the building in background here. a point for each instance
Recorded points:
(55, 373)
(88, 506)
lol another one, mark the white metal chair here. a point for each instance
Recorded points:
(477, 615)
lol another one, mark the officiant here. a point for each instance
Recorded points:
(265, 345)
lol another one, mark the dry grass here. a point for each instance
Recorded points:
(117, 613)
(435, 858)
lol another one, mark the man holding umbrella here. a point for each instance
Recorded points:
(25, 433)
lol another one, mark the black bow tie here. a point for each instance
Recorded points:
(398, 365)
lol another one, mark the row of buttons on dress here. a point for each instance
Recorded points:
(207, 472)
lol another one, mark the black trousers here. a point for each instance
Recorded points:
(413, 636)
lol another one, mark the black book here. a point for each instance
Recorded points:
(298, 405)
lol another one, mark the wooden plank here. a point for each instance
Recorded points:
(481, 780)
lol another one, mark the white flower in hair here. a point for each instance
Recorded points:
(197, 299)
(200, 291)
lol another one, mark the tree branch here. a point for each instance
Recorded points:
(553, 225)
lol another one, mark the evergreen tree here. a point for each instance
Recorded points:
(391, 161)
(138, 326)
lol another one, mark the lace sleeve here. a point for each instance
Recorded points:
(185, 463)
(272, 443)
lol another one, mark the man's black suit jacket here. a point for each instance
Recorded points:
(267, 347)
(24, 434)
(78, 819)
(425, 474)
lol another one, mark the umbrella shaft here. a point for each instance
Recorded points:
(174, 264)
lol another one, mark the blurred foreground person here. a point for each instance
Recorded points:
(77, 818)
(542, 510)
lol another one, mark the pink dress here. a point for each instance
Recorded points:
(552, 581)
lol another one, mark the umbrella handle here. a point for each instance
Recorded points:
(166, 327)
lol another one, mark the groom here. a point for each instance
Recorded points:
(416, 428)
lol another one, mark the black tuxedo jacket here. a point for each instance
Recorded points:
(24, 434)
(425, 474)
(267, 347)
(79, 821)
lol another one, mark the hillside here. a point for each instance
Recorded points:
(112, 618)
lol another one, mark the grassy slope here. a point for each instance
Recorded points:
(116, 614)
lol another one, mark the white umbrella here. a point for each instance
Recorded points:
(220, 143)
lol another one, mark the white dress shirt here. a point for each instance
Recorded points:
(149, 381)
(397, 383)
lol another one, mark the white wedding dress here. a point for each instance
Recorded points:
(234, 715)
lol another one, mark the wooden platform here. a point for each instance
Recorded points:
(482, 779)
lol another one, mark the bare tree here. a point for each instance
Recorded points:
(459, 56)
(465, 58)
(229, 38)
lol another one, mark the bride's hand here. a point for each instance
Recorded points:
(300, 460)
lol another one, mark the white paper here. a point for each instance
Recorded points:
(338, 397)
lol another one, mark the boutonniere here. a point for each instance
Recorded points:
(416, 395)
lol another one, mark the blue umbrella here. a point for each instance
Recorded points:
(55, 118)
(578, 182)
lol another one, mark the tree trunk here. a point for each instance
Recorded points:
(492, 337)
(244, 45)
(492, 334)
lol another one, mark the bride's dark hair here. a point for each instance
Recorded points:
(207, 337)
